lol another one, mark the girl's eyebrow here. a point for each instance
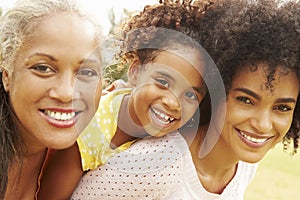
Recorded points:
(201, 90)
(165, 74)
(249, 92)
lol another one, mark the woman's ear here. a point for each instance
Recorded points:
(133, 71)
(5, 79)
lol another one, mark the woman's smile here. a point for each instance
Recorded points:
(251, 139)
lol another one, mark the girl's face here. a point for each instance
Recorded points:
(55, 86)
(257, 117)
(167, 91)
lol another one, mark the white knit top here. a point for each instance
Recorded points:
(156, 168)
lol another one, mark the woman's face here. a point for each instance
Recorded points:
(55, 85)
(258, 116)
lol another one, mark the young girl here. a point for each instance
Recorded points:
(42, 57)
(256, 47)
(166, 69)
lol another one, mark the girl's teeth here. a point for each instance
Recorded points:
(252, 139)
(163, 116)
(59, 115)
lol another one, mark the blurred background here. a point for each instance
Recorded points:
(108, 12)
(277, 177)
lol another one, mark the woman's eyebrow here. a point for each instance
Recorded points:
(249, 92)
(257, 96)
(285, 100)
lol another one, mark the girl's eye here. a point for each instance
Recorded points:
(245, 100)
(163, 82)
(42, 68)
(283, 108)
(87, 74)
(191, 96)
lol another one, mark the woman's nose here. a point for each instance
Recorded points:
(262, 121)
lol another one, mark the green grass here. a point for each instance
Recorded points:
(277, 177)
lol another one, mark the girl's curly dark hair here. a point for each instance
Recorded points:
(141, 29)
(169, 24)
(246, 32)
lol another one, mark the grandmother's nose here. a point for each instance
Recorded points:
(64, 89)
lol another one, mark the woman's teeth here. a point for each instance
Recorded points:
(59, 115)
(252, 139)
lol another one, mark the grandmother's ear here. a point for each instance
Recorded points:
(5, 79)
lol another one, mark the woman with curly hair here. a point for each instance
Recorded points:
(255, 45)
(166, 66)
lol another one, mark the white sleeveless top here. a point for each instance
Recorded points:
(156, 168)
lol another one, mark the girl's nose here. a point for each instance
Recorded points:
(171, 101)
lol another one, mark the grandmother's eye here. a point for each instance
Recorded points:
(87, 74)
(42, 68)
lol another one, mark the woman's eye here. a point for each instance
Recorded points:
(245, 100)
(42, 68)
(283, 108)
(191, 95)
(163, 82)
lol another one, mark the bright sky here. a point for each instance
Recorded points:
(101, 9)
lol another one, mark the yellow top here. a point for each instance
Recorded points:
(94, 141)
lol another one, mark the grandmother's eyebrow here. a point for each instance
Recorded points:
(89, 61)
(43, 55)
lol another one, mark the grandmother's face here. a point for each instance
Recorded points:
(55, 87)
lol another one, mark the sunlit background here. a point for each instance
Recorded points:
(101, 9)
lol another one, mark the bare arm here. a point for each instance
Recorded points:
(61, 175)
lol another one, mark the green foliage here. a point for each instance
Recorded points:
(114, 72)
